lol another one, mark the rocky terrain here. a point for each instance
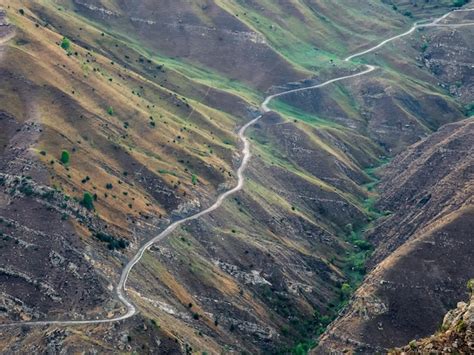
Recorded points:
(130, 124)
(417, 266)
(456, 334)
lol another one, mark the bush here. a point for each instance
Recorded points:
(346, 290)
(362, 244)
(112, 242)
(110, 110)
(470, 285)
(65, 157)
(460, 3)
(88, 201)
(66, 44)
(469, 109)
(26, 189)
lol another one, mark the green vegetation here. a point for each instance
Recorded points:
(164, 171)
(88, 201)
(66, 44)
(461, 326)
(65, 157)
(194, 179)
(26, 189)
(110, 111)
(470, 286)
(469, 109)
(460, 3)
(113, 243)
(294, 113)
(346, 291)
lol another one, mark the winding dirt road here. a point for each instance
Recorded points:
(121, 287)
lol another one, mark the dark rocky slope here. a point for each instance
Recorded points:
(456, 334)
(422, 256)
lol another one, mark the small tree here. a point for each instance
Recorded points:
(110, 110)
(65, 157)
(88, 201)
(66, 44)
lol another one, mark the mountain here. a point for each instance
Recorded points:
(419, 264)
(455, 334)
(118, 118)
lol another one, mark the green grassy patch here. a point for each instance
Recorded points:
(291, 112)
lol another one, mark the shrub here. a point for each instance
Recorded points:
(362, 244)
(26, 189)
(112, 242)
(88, 201)
(461, 326)
(65, 157)
(346, 290)
(470, 285)
(66, 44)
(110, 110)
(469, 109)
(109, 186)
(460, 3)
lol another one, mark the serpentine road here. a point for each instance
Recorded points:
(121, 287)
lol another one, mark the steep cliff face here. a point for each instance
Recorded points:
(456, 334)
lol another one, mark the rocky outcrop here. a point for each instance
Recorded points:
(456, 334)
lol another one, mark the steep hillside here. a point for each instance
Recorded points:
(421, 259)
(119, 117)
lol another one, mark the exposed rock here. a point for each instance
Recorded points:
(456, 334)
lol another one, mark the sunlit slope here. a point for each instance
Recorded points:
(118, 126)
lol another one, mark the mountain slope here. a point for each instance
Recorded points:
(421, 259)
(138, 106)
